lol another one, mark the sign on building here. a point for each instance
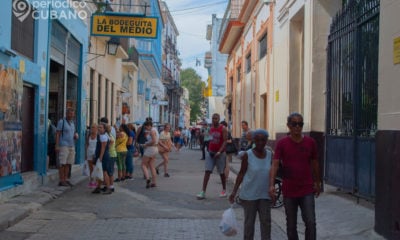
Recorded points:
(123, 25)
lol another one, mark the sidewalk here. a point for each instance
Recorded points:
(339, 216)
(19, 207)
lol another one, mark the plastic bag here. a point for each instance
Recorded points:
(85, 169)
(98, 171)
(228, 225)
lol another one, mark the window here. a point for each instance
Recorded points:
(231, 84)
(262, 46)
(99, 96)
(239, 75)
(92, 72)
(140, 87)
(106, 98)
(248, 63)
(22, 33)
(147, 95)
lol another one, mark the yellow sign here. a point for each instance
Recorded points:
(22, 66)
(124, 26)
(277, 96)
(396, 50)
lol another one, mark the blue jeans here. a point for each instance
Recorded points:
(307, 206)
(129, 161)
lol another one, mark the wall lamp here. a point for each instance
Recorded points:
(154, 100)
(111, 48)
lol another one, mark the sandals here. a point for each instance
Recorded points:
(148, 185)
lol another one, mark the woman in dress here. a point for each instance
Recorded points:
(149, 155)
(164, 147)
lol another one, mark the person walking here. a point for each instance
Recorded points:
(201, 142)
(141, 138)
(254, 179)
(120, 147)
(177, 138)
(102, 155)
(244, 142)
(216, 155)
(113, 155)
(164, 148)
(91, 142)
(149, 155)
(131, 149)
(301, 181)
(66, 136)
(229, 155)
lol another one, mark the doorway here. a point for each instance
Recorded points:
(28, 121)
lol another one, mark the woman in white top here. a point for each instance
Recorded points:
(164, 147)
(254, 192)
(149, 155)
(91, 142)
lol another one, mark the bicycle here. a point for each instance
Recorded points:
(278, 192)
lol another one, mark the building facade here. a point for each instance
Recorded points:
(43, 51)
(387, 209)
(173, 111)
(247, 33)
(214, 62)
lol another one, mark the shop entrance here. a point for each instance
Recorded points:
(28, 116)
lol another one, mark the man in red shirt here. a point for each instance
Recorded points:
(216, 155)
(301, 177)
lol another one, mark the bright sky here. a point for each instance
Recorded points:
(191, 18)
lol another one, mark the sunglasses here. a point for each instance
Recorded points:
(294, 124)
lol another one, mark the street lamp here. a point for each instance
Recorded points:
(112, 46)
(154, 100)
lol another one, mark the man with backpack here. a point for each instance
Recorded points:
(65, 146)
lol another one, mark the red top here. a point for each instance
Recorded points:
(297, 167)
(216, 137)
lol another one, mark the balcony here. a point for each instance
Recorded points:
(133, 57)
(236, 16)
(166, 75)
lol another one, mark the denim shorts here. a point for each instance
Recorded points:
(212, 161)
(108, 165)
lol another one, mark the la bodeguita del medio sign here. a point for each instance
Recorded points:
(117, 25)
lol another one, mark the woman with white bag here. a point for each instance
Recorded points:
(103, 156)
(254, 191)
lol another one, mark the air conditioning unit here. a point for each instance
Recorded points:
(268, 1)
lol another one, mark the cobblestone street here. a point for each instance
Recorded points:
(169, 211)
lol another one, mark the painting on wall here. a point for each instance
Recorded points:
(11, 89)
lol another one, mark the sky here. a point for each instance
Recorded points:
(191, 18)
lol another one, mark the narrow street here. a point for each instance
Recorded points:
(169, 211)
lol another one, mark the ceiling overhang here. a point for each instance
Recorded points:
(230, 37)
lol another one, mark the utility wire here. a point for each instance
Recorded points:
(198, 7)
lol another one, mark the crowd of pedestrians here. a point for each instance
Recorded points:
(254, 188)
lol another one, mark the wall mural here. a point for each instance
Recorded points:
(11, 91)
